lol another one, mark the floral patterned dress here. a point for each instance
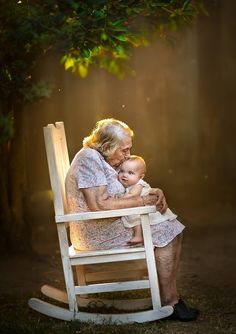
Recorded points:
(89, 169)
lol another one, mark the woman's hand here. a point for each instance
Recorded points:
(156, 197)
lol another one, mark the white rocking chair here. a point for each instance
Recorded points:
(103, 278)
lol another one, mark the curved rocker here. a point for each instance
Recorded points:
(119, 304)
(99, 318)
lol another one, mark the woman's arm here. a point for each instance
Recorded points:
(90, 173)
(97, 198)
(161, 203)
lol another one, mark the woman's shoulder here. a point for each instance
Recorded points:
(86, 156)
(88, 153)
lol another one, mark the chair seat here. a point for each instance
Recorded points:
(74, 253)
(103, 256)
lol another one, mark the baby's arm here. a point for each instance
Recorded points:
(134, 191)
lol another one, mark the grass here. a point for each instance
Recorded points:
(217, 317)
(207, 281)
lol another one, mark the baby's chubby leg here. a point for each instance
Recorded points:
(138, 236)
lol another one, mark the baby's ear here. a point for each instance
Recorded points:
(142, 176)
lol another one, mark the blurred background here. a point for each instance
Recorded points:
(181, 104)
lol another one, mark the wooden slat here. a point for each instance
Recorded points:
(115, 251)
(112, 287)
(57, 174)
(107, 258)
(70, 217)
(111, 276)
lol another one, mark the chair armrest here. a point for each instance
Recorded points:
(70, 217)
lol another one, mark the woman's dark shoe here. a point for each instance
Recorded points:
(183, 312)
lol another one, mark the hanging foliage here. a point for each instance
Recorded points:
(104, 33)
(83, 33)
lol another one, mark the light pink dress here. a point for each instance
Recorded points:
(89, 169)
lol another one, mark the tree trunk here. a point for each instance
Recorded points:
(5, 210)
(13, 187)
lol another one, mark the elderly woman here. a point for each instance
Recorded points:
(92, 184)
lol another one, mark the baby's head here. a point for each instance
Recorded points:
(132, 170)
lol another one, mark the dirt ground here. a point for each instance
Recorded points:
(207, 270)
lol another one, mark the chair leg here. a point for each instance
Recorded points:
(151, 263)
(67, 268)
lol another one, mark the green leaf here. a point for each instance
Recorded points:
(70, 62)
(121, 38)
(82, 70)
(86, 53)
(104, 36)
(185, 5)
(6, 128)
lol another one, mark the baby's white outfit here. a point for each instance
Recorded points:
(155, 217)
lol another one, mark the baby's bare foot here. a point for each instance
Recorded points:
(135, 240)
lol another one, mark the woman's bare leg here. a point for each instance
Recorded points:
(167, 260)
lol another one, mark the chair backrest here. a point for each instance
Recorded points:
(58, 163)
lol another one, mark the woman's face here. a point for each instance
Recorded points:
(121, 153)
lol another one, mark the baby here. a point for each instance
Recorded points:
(131, 174)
